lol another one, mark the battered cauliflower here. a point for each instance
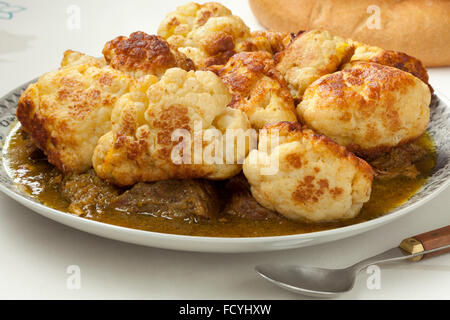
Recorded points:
(317, 180)
(142, 54)
(142, 147)
(66, 111)
(270, 41)
(207, 33)
(311, 55)
(258, 88)
(399, 60)
(72, 58)
(369, 108)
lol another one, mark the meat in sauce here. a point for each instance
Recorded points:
(171, 199)
(201, 207)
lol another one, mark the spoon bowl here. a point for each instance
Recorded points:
(317, 282)
(327, 283)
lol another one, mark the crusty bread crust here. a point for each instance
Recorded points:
(416, 27)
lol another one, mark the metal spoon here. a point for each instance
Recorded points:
(320, 282)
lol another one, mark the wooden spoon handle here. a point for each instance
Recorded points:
(427, 241)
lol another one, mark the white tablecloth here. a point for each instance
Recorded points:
(36, 252)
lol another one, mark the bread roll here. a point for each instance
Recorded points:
(417, 27)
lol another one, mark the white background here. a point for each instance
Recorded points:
(35, 252)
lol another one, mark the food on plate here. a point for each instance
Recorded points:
(207, 33)
(258, 88)
(405, 161)
(240, 202)
(315, 180)
(86, 193)
(72, 58)
(269, 41)
(369, 108)
(399, 60)
(172, 199)
(142, 54)
(141, 146)
(67, 110)
(309, 56)
(240, 214)
(212, 129)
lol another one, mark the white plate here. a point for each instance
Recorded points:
(439, 128)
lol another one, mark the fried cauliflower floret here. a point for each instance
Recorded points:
(207, 33)
(369, 108)
(66, 111)
(311, 55)
(143, 54)
(72, 58)
(316, 179)
(270, 41)
(399, 60)
(157, 133)
(258, 88)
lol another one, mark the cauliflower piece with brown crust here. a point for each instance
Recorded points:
(66, 111)
(207, 33)
(399, 60)
(309, 56)
(72, 58)
(258, 88)
(368, 108)
(143, 54)
(141, 146)
(316, 179)
(270, 41)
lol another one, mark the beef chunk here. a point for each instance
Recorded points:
(241, 202)
(400, 161)
(171, 199)
(87, 193)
